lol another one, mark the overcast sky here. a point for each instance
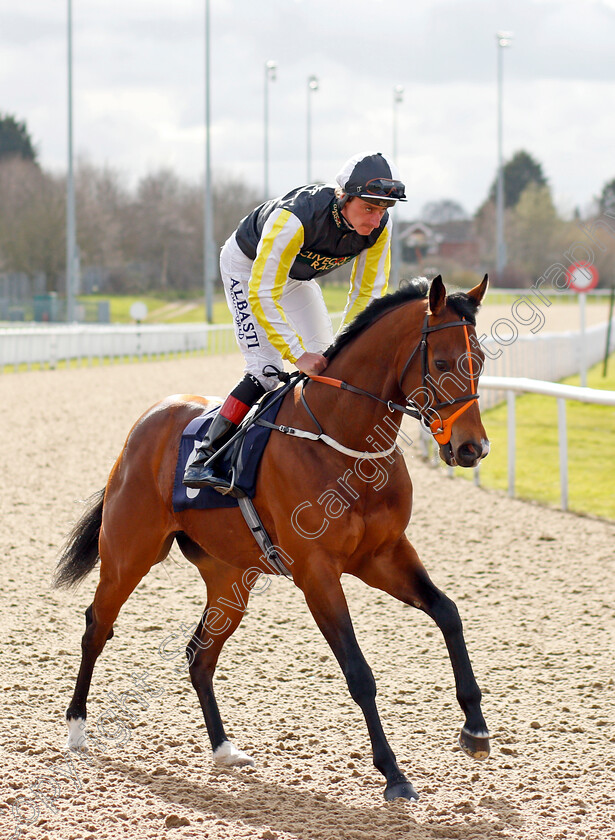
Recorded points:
(139, 88)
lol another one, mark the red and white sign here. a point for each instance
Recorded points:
(582, 277)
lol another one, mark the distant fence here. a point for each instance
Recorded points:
(561, 295)
(548, 356)
(48, 345)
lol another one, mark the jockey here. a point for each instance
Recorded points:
(269, 268)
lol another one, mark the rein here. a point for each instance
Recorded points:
(440, 429)
(320, 435)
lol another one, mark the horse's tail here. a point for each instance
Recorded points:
(80, 551)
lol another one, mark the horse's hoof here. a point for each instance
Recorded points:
(476, 746)
(401, 790)
(76, 735)
(227, 755)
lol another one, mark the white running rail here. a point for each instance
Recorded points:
(513, 386)
(48, 345)
(548, 356)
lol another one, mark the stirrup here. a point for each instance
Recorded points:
(213, 482)
(226, 488)
(199, 475)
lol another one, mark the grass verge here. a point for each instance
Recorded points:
(591, 449)
(163, 311)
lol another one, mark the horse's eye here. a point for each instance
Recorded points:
(442, 365)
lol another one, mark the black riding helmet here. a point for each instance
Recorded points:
(372, 177)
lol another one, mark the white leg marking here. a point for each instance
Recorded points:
(76, 735)
(227, 755)
(481, 734)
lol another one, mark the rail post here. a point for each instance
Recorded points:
(563, 451)
(510, 401)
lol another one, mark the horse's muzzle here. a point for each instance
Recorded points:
(468, 454)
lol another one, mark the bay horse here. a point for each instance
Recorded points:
(414, 350)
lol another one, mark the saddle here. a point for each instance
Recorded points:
(239, 462)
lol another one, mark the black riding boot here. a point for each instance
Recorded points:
(197, 475)
(223, 426)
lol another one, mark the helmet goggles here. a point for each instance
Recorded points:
(384, 188)
(381, 191)
(373, 178)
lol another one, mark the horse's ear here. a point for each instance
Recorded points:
(437, 295)
(478, 292)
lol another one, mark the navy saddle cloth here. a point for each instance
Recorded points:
(245, 455)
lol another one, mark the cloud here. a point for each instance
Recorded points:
(139, 96)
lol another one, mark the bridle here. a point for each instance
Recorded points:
(440, 429)
(428, 413)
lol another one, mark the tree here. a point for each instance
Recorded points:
(606, 201)
(101, 208)
(534, 232)
(440, 212)
(520, 171)
(32, 221)
(149, 238)
(156, 236)
(14, 139)
(484, 224)
(233, 199)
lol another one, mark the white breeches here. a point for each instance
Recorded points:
(301, 301)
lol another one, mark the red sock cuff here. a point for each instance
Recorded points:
(233, 409)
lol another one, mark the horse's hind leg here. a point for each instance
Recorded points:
(401, 574)
(121, 569)
(227, 599)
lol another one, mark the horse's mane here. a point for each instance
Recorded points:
(415, 289)
(466, 307)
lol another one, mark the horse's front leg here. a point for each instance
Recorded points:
(400, 573)
(325, 598)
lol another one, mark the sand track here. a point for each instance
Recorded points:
(534, 587)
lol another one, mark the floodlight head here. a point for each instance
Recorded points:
(504, 38)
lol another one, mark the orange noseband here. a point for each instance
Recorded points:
(442, 429)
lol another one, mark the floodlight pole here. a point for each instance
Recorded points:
(398, 98)
(270, 76)
(311, 87)
(209, 270)
(503, 40)
(71, 247)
